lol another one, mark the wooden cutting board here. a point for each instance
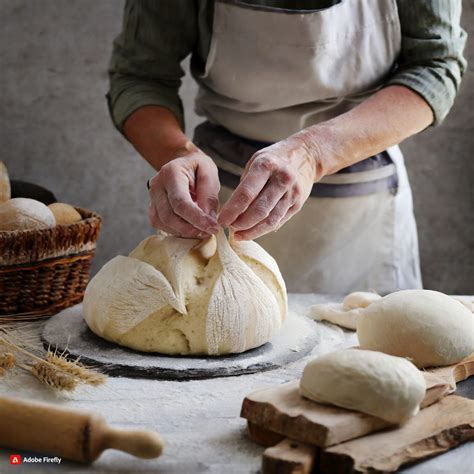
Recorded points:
(280, 411)
(434, 430)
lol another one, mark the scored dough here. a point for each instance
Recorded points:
(428, 327)
(381, 385)
(217, 297)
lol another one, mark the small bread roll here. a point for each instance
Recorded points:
(64, 213)
(359, 299)
(335, 313)
(5, 191)
(25, 214)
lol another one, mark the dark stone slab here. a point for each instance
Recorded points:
(68, 332)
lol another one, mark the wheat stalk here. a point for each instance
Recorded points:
(7, 361)
(75, 369)
(52, 377)
(52, 369)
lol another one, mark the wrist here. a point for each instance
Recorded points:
(311, 148)
(183, 148)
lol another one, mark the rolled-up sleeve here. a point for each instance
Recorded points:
(431, 61)
(145, 68)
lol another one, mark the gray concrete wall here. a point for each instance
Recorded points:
(55, 131)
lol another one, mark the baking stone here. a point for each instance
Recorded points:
(68, 332)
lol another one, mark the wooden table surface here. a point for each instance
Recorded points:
(199, 419)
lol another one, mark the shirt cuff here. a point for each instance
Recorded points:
(432, 85)
(123, 104)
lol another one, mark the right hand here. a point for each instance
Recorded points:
(184, 197)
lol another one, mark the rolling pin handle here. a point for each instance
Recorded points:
(143, 444)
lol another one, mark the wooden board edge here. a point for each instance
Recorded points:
(295, 427)
(289, 457)
(437, 444)
(262, 436)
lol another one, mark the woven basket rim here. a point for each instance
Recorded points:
(21, 246)
(87, 217)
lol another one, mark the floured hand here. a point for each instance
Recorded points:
(276, 183)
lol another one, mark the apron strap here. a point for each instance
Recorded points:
(231, 152)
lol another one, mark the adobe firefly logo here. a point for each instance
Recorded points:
(15, 459)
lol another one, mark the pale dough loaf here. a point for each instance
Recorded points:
(428, 327)
(335, 313)
(25, 214)
(359, 299)
(178, 296)
(384, 386)
(346, 314)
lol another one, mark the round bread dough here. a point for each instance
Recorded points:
(64, 213)
(359, 299)
(25, 214)
(428, 327)
(5, 190)
(378, 384)
(178, 296)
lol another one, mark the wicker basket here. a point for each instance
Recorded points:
(44, 271)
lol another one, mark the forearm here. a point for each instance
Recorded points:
(385, 119)
(156, 134)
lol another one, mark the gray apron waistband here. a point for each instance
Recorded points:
(231, 152)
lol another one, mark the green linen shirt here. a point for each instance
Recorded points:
(157, 35)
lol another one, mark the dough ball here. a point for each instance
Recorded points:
(428, 327)
(24, 214)
(180, 296)
(359, 299)
(5, 191)
(381, 385)
(64, 213)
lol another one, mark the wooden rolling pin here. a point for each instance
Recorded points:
(70, 434)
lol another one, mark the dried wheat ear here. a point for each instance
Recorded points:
(50, 368)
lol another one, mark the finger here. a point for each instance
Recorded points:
(248, 189)
(158, 224)
(270, 223)
(291, 212)
(156, 221)
(207, 188)
(168, 217)
(263, 206)
(179, 198)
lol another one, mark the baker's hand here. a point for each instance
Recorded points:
(274, 186)
(184, 196)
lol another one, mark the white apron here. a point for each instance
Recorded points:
(271, 72)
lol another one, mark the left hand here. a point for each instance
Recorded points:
(274, 186)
